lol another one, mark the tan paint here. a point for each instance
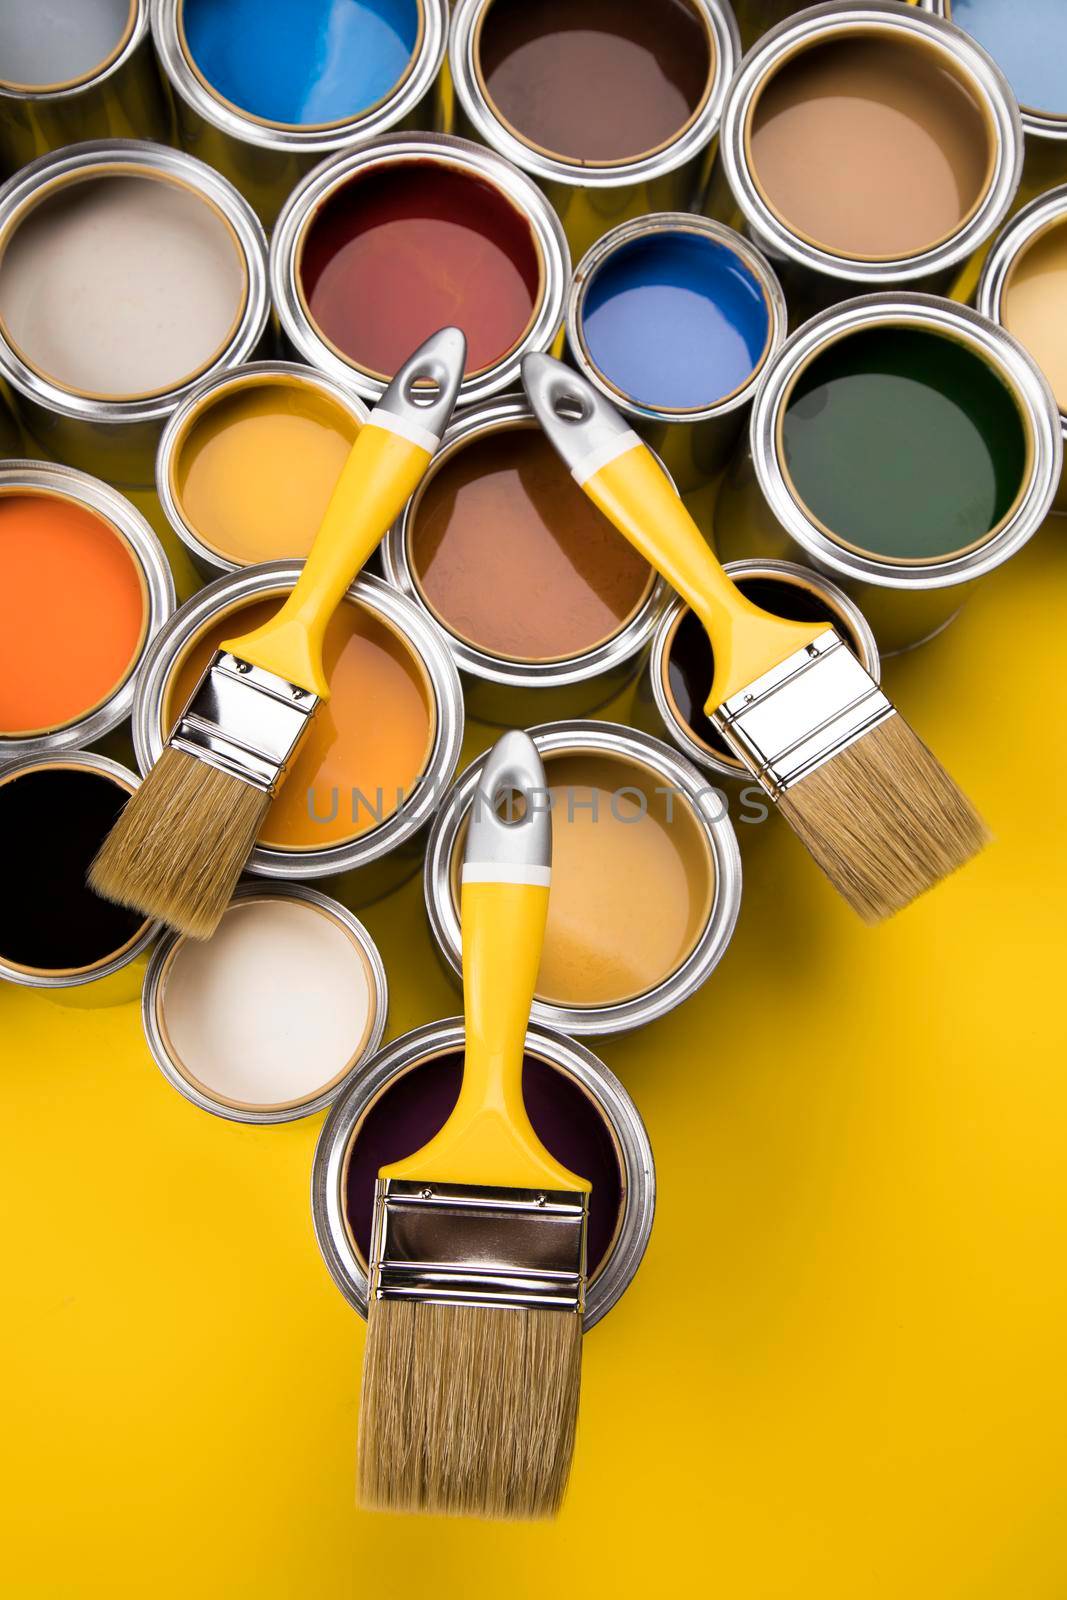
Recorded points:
(1034, 304)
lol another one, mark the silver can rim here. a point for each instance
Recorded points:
(140, 155)
(87, 760)
(394, 608)
(213, 387)
(68, 91)
(1036, 124)
(159, 588)
(547, 1044)
(1022, 231)
(404, 97)
(396, 149)
(720, 22)
(673, 222)
(1016, 368)
(266, 1116)
(749, 568)
(840, 17)
(614, 739)
(488, 417)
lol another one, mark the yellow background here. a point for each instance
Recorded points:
(840, 1373)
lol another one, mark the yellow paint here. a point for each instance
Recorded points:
(254, 471)
(839, 1373)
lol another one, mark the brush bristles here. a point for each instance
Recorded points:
(884, 820)
(468, 1410)
(178, 847)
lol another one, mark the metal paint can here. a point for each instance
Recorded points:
(601, 880)
(513, 689)
(118, 433)
(669, 698)
(591, 195)
(266, 157)
(231, 397)
(358, 833)
(907, 596)
(787, 117)
(1023, 288)
(44, 480)
(711, 266)
(113, 975)
(424, 170)
(118, 95)
(167, 1053)
(560, 1066)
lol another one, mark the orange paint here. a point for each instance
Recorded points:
(73, 612)
(374, 733)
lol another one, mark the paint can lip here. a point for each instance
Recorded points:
(690, 142)
(51, 478)
(1045, 212)
(84, 761)
(678, 730)
(480, 421)
(133, 158)
(294, 139)
(674, 222)
(132, 35)
(425, 642)
(602, 739)
(291, 1111)
(1036, 124)
(991, 344)
(400, 149)
(548, 1045)
(215, 388)
(837, 18)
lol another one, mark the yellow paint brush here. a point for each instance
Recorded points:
(876, 810)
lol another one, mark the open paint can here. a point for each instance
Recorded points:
(272, 1017)
(905, 446)
(378, 755)
(55, 933)
(128, 272)
(381, 246)
(264, 89)
(84, 588)
(399, 1099)
(674, 318)
(675, 684)
(545, 608)
(76, 69)
(612, 105)
(1029, 44)
(1023, 287)
(869, 145)
(646, 877)
(249, 460)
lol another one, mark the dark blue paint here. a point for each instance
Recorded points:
(301, 61)
(675, 321)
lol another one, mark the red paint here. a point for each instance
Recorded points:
(404, 249)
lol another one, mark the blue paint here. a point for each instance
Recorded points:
(1028, 41)
(301, 61)
(675, 321)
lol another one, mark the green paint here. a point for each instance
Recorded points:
(904, 443)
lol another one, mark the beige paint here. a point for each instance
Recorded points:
(121, 286)
(1034, 304)
(870, 147)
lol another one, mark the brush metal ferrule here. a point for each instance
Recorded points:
(468, 1245)
(803, 712)
(244, 721)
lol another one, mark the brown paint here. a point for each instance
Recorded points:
(869, 147)
(512, 557)
(594, 81)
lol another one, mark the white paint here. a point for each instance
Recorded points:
(121, 286)
(270, 1009)
(50, 42)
